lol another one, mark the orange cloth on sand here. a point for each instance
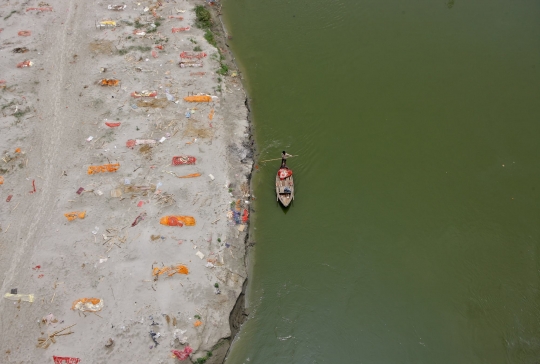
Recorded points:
(93, 301)
(198, 98)
(173, 220)
(180, 269)
(109, 82)
(75, 214)
(103, 168)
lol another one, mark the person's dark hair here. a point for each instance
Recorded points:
(283, 152)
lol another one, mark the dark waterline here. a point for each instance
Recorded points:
(414, 236)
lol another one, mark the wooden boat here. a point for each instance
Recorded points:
(284, 186)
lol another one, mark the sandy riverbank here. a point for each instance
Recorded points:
(50, 111)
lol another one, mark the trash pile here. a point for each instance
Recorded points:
(238, 213)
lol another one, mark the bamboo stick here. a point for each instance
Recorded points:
(276, 159)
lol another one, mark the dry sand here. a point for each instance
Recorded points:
(48, 111)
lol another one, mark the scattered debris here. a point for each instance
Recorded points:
(103, 47)
(117, 7)
(47, 8)
(165, 198)
(44, 342)
(155, 336)
(178, 30)
(133, 142)
(139, 219)
(153, 103)
(117, 192)
(244, 187)
(49, 319)
(106, 24)
(190, 55)
(193, 64)
(144, 93)
(111, 238)
(25, 64)
(20, 50)
(140, 118)
(179, 334)
(33, 186)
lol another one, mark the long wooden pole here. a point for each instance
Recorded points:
(276, 159)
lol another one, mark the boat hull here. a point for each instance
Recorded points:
(285, 190)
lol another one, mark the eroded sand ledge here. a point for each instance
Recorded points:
(51, 109)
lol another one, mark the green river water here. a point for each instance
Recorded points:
(414, 235)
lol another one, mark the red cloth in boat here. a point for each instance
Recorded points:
(284, 173)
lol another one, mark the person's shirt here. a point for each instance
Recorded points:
(285, 155)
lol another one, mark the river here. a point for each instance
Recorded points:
(414, 234)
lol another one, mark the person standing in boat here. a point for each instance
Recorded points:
(284, 156)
